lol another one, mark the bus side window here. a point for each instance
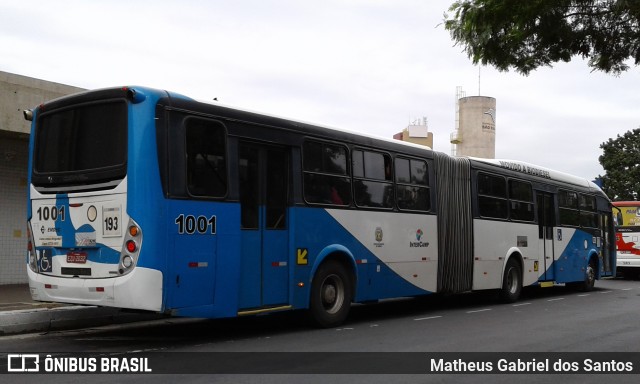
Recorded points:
(521, 199)
(492, 196)
(569, 208)
(412, 185)
(588, 211)
(326, 175)
(372, 179)
(206, 158)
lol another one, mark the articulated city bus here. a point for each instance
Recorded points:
(147, 199)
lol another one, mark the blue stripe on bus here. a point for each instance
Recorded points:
(100, 253)
(574, 259)
(316, 231)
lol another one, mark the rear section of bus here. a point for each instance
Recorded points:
(84, 241)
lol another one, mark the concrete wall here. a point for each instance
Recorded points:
(18, 93)
(13, 205)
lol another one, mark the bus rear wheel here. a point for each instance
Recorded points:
(511, 282)
(331, 293)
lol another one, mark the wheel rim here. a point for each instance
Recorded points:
(512, 280)
(332, 294)
(591, 275)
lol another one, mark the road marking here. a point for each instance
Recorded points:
(480, 310)
(522, 304)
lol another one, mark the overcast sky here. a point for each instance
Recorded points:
(371, 66)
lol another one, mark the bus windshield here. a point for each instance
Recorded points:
(81, 144)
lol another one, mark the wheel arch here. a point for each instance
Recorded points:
(512, 281)
(340, 254)
(594, 257)
(514, 253)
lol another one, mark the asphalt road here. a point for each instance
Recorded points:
(546, 321)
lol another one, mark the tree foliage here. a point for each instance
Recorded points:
(621, 162)
(525, 35)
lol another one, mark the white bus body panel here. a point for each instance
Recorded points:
(140, 289)
(406, 243)
(628, 260)
(495, 242)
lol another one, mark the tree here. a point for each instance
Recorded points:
(525, 35)
(621, 162)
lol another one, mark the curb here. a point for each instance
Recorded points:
(67, 317)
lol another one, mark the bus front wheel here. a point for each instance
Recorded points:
(511, 282)
(331, 293)
(589, 281)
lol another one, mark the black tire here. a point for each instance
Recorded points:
(589, 278)
(331, 294)
(511, 282)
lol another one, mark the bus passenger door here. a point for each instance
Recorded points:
(546, 222)
(607, 249)
(264, 186)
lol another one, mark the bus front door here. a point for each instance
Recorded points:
(264, 185)
(546, 222)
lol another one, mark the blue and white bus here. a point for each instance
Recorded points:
(149, 200)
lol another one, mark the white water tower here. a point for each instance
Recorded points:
(475, 132)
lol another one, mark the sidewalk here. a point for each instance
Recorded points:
(17, 296)
(15, 293)
(20, 314)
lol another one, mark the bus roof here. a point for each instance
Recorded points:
(626, 203)
(536, 170)
(327, 127)
(510, 165)
(513, 165)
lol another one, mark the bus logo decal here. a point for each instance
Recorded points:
(418, 243)
(378, 236)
